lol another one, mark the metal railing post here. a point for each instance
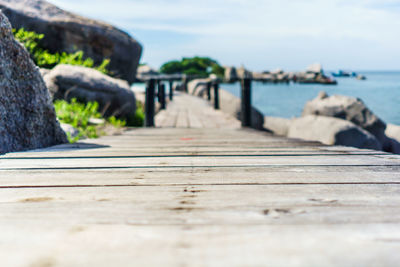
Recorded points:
(158, 85)
(185, 84)
(149, 103)
(246, 102)
(216, 95)
(161, 95)
(208, 87)
(171, 90)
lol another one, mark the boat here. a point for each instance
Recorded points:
(342, 73)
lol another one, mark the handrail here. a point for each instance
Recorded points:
(153, 80)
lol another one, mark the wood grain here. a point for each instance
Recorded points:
(199, 191)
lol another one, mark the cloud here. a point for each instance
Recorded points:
(259, 30)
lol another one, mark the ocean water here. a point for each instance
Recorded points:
(380, 92)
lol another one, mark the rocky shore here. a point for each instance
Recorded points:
(313, 74)
(338, 120)
(228, 102)
(28, 118)
(331, 120)
(68, 32)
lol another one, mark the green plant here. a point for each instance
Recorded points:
(201, 66)
(78, 115)
(116, 122)
(138, 119)
(43, 58)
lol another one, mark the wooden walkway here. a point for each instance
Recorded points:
(191, 112)
(199, 197)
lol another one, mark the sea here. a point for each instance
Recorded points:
(380, 92)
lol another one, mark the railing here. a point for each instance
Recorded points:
(153, 81)
(157, 81)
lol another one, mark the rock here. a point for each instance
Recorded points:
(315, 68)
(393, 131)
(276, 125)
(230, 74)
(314, 78)
(144, 71)
(113, 95)
(198, 87)
(65, 31)
(44, 72)
(332, 131)
(232, 105)
(258, 75)
(322, 95)
(243, 73)
(347, 108)
(361, 77)
(27, 116)
(392, 143)
(213, 77)
(96, 121)
(70, 130)
(277, 71)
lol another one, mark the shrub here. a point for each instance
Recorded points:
(138, 119)
(43, 58)
(201, 66)
(78, 115)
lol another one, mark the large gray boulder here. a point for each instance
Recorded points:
(65, 31)
(198, 87)
(144, 72)
(347, 108)
(393, 131)
(27, 117)
(230, 74)
(232, 105)
(277, 125)
(392, 143)
(332, 131)
(114, 96)
(243, 73)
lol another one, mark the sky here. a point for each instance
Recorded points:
(258, 34)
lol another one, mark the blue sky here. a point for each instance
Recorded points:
(260, 34)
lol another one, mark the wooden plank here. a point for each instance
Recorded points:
(194, 162)
(201, 176)
(116, 245)
(170, 120)
(194, 121)
(205, 205)
(199, 197)
(182, 120)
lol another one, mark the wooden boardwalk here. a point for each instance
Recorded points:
(191, 112)
(195, 196)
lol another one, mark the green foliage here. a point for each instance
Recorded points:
(201, 66)
(172, 67)
(218, 70)
(138, 119)
(78, 115)
(116, 122)
(43, 58)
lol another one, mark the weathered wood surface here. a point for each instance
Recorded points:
(219, 196)
(189, 112)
